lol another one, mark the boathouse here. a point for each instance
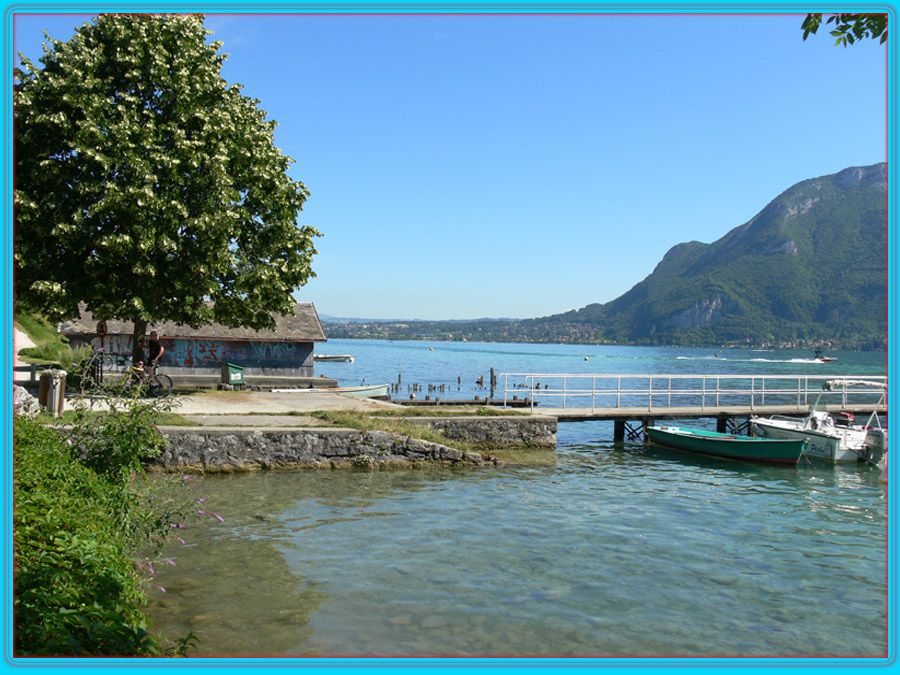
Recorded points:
(286, 350)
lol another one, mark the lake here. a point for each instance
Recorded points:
(598, 549)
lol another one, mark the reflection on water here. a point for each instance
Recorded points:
(613, 550)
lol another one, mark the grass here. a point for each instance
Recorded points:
(399, 413)
(37, 328)
(446, 411)
(363, 421)
(50, 348)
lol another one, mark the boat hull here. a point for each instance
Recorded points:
(346, 358)
(842, 446)
(717, 444)
(363, 391)
(377, 391)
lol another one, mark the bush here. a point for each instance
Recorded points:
(81, 517)
(76, 589)
(115, 442)
(59, 353)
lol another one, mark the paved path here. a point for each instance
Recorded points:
(242, 402)
(240, 405)
(258, 421)
(20, 341)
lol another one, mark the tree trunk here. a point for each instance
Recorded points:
(139, 337)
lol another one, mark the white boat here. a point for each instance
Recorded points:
(364, 391)
(826, 440)
(347, 358)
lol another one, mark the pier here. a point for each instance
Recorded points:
(634, 401)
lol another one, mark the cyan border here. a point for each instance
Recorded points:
(610, 665)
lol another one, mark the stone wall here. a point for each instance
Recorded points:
(515, 431)
(210, 449)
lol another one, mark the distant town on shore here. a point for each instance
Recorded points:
(807, 271)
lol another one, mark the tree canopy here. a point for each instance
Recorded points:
(848, 28)
(148, 187)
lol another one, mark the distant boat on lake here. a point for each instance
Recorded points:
(823, 359)
(333, 357)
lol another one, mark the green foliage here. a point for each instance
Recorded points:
(848, 28)
(76, 590)
(148, 187)
(36, 327)
(116, 441)
(83, 514)
(58, 353)
(49, 346)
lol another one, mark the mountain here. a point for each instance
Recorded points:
(809, 268)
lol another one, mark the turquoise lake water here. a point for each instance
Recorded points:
(597, 550)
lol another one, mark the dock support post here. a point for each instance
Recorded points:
(648, 422)
(722, 424)
(618, 430)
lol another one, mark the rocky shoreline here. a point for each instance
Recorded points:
(224, 449)
(228, 450)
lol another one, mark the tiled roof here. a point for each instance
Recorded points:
(303, 326)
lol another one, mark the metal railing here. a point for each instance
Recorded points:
(646, 392)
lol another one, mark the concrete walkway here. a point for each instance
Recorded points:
(20, 341)
(243, 402)
(258, 421)
(241, 405)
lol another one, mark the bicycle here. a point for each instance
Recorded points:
(91, 374)
(156, 383)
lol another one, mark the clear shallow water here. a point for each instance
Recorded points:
(604, 550)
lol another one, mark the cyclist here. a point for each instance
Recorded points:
(155, 350)
(137, 363)
(139, 356)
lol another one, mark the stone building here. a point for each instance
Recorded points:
(286, 350)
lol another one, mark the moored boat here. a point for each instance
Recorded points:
(730, 446)
(347, 358)
(828, 441)
(363, 391)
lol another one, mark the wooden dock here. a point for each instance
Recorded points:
(633, 402)
(629, 423)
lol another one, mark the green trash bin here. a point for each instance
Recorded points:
(232, 374)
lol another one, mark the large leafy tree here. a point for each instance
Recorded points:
(848, 28)
(148, 187)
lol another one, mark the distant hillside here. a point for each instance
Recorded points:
(809, 268)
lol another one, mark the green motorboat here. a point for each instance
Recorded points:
(714, 443)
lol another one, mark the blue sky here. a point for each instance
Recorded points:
(466, 166)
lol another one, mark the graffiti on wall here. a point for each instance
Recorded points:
(206, 353)
(116, 349)
(212, 353)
